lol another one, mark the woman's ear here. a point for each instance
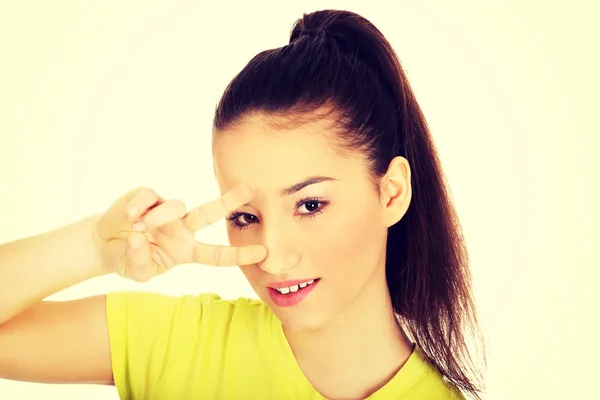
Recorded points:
(396, 191)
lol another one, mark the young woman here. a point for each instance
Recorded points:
(339, 217)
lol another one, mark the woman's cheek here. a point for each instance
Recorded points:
(339, 238)
(242, 237)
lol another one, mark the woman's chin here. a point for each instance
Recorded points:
(301, 317)
(300, 320)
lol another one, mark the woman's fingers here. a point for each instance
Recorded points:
(149, 212)
(213, 211)
(219, 208)
(139, 201)
(140, 265)
(210, 254)
(126, 210)
(163, 214)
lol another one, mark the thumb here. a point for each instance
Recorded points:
(139, 263)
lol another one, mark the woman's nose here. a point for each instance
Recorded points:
(277, 263)
(281, 253)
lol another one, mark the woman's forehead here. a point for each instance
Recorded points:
(255, 142)
(255, 153)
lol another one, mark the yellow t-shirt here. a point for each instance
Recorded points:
(204, 347)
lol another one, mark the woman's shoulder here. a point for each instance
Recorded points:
(418, 379)
(206, 301)
(186, 309)
(164, 342)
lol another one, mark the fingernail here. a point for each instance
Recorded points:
(139, 226)
(132, 212)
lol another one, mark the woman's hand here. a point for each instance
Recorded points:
(142, 235)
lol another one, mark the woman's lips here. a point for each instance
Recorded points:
(291, 297)
(282, 284)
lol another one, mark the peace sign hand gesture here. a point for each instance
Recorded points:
(142, 235)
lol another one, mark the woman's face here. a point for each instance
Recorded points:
(332, 232)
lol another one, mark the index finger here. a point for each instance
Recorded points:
(214, 210)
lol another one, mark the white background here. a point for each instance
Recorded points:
(99, 97)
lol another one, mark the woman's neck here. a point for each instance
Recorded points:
(358, 351)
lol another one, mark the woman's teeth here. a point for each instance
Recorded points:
(294, 288)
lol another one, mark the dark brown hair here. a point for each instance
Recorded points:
(338, 65)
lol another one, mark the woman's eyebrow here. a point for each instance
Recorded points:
(309, 181)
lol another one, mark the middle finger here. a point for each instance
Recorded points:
(216, 209)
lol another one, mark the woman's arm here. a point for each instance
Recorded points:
(45, 341)
(68, 342)
(34, 268)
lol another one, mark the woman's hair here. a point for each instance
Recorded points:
(339, 67)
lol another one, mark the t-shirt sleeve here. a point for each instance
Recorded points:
(147, 331)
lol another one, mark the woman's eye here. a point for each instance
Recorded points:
(246, 219)
(241, 220)
(311, 206)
